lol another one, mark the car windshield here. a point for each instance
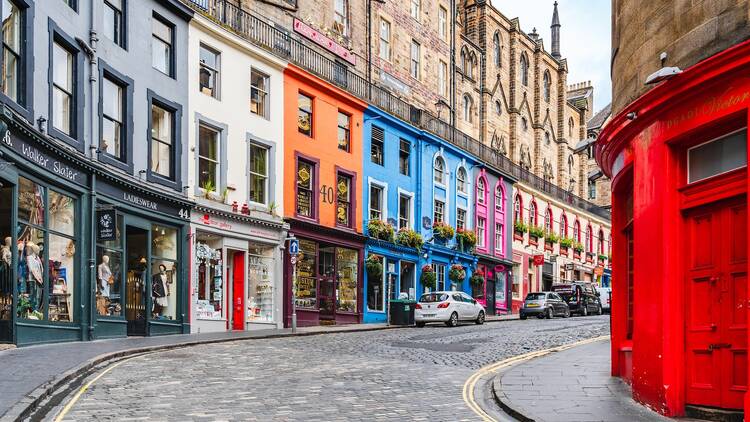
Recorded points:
(535, 296)
(433, 297)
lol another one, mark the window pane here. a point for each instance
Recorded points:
(161, 124)
(258, 93)
(160, 55)
(61, 213)
(111, 142)
(307, 285)
(304, 114)
(343, 201)
(30, 273)
(62, 253)
(61, 109)
(376, 288)
(112, 99)
(161, 158)
(10, 72)
(347, 260)
(257, 189)
(31, 202)
(164, 242)
(161, 30)
(208, 143)
(108, 282)
(258, 173)
(164, 289)
(715, 157)
(208, 57)
(11, 26)
(62, 71)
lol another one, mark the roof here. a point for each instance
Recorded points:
(583, 143)
(600, 117)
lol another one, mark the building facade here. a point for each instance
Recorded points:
(677, 155)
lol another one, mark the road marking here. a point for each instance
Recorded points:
(61, 416)
(471, 382)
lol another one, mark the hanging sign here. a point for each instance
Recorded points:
(323, 41)
(538, 260)
(106, 227)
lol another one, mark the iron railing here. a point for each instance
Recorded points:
(286, 46)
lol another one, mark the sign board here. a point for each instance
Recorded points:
(323, 41)
(599, 270)
(143, 201)
(63, 169)
(106, 225)
(538, 260)
(293, 247)
(569, 267)
(293, 259)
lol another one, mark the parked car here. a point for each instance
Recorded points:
(544, 305)
(605, 297)
(580, 296)
(448, 308)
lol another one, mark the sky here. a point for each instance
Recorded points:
(584, 37)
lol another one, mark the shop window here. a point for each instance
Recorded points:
(258, 174)
(376, 288)
(344, 134)
(109, 258)
(260, 304)
(344, 207)
(376, 202)
(305, 183)
(6, 261)
(439, 276)
(307, 281)
(461, 180)
(407, 288)
(47, 255)
(304, 114)
(460, 218)
(717, 156)
(515, 288)
(376, 145)
(439, 170)
(164, 272)
(208, 159)
(259, 89)
(404, 153)
(481, 232)
(438, 212)
(114, 21)
(404, 211)
(208, 72)
(210, 282)
(162, 141)
(347, 261)
(162, 45)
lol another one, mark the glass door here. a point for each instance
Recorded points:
(7, 205)
(327, 272)
(137, 241)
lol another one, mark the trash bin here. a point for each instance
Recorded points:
(402, 311)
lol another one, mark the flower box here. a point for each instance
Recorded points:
(548, 246)
(518, 235)
(533, 240)
(563, 250)
(589, 257)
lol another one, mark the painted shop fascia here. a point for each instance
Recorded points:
(688, 233)
(65, 194)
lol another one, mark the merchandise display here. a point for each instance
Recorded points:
(260, 284)
(210, 282)
(346, 294)
(164, 272)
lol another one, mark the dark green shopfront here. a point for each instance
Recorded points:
(85, 254)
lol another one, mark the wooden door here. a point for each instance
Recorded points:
(716, 294)
(238, 291)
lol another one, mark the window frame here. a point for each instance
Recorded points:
(123, 41)
(127, 85)
(172, 42)
(462, 185)
(352, 194)
(344, 16)
(415, 63)
(76, 138)
(481, 190)
(443, 78)
(251, 173)
(382, 195)
(347, 130)
(533, 213)
(524, 69)
(387, 52)
(549, 220)
(23, 104)
(440, 269)
(442, 172)
(377, 143)
(314, 186)
(518, 208)
(468, 108)
(442, 22)
(481, 237)
(176, 109)
(546, 86)
(404, 157)
(410, 217)
(218, 132)
(270, 148)
(415, 9)
(310, 113)
(496, 50)
(265, 93)
(460, 212)
(214, 72)
(435, 203)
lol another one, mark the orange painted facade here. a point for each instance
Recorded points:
(322, 147)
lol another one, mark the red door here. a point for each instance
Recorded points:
(716, 294)
(238, 291)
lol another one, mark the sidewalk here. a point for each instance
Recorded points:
(572, 385)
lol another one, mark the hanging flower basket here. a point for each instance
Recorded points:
(466, 239)
(380, 230)
(410, 238)
(428, 277)
(374, 267)
(457, 273)
(442, 232)
(476, 280)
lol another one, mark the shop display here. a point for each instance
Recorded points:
(6, 280)
(108, 274)
(307, 282)
(260, 284)
(210, 282)
(164, 272)
(204, 309)
(347, 261)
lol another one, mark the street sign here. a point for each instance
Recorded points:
(293, 246)
(293, 258)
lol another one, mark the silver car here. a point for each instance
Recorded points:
(448, 308)
(544, 305)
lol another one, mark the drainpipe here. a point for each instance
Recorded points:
(90, 50)
(92, 258)
(369, 49)
(453, 71)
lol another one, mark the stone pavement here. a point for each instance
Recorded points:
(571, 385)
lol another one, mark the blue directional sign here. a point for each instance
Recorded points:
(293, 247)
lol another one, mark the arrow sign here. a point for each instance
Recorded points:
(293, 247)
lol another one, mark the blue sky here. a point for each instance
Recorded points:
(584, 37)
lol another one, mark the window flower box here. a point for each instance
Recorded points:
(589, 257)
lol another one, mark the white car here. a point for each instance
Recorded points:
(448, 308)
(605, 296)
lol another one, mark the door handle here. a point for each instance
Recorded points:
(717, 346)
(713, 280)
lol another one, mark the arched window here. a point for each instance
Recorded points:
(481, 191)
(577, 231)
(439, 170)
(468, 108)
(601, 242)
(499, 198)
(532, 214)
(461, 179)
(517, 209)
(548, 221)
(472, 64)
(498, 108)
(589, 240)
(571, 124)
(547, 85)
(496, 49)
(524, 70)
(546, 138)
(464, 59)
(563, 225)
(524, 124)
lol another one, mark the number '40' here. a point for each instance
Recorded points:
(327, 194)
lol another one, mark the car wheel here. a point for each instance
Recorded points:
(420, 324)
(523, 316)
(453, 321)
(567, 313)
(585, 311)
(550, 313)
(480, 318)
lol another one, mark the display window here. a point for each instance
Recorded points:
(260, 289)
(210, 303)
(6, 255)
(317, 267)
(164, 272)
(408, 288)
(346, 293)
(109, 274)
(307, 281)
(47, 254)
(376, 288)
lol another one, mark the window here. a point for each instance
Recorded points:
(516, 289)
(408, 279)
(532, 214)
(164, 272)
(13, 57)
(259, 100)
(524, 124)
(209, 71)
(570, 127)
(344, 200)
(546, 138)
(307, 275)
(589, 240)
(258, 174)
(404, 211)
(461, 180)
(439, 276)
(460, 218)
(341, 16)
(385, 40)
(464, 61)
(162, 141)
(481, 232)
(524, 70)
(481, 191)
(113, 128)
(517, 209)
(376, 202)
(548, 221)
(439, 170)
(547, 82)
(498, 108)
(376, 290)
(305, 200)
(717, 156)
(499, 199)
(162, 50)
(73, 4)
(344, 122)
(63, 82)
(376, 145)
(564, 225)
(304, 114)
(496, 49)
(499, 238)
(415, 59)
(577, 231)
(404, 154)
(114, 24)
(415, 8)
(443, 22)
(600, 241)
(592, 189)
(439, 210)
(467, 106)
(208, 158)
(442, 79)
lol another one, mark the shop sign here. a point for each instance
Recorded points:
(569, 267)
(106, 229)
(323, 41)
(142, 202)
(393, 82)
(208, 221)
(43, 160)
(538, 260)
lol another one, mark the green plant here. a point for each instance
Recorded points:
(467, 237)
(380, 230)
(410, 238)
(566, 242)
(225, 194)
(457, 273)
(428, 277)
(476, 280)
(24, 306)
(551, 237)
(273, 207)
(520, 227)
(536, 231)
(374, 267)
(208, 187)
(602, 257)
(578, 247)
(443, 231)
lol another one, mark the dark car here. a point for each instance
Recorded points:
(544, 305)
(581, 297)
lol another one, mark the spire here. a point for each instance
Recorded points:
(555, 34)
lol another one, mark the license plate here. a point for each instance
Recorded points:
(428, 315)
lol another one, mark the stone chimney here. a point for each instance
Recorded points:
(555, 34)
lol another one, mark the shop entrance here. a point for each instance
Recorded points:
(327, 271)
(136, 249)
(6, 262)
(716, 298)
(238, 290)
(489, 292)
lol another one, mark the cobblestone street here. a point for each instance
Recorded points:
(411, 373)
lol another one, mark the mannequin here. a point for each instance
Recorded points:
(104, 276)
(6, 284)
(35, 276)
(159, 290)
(5, 251)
